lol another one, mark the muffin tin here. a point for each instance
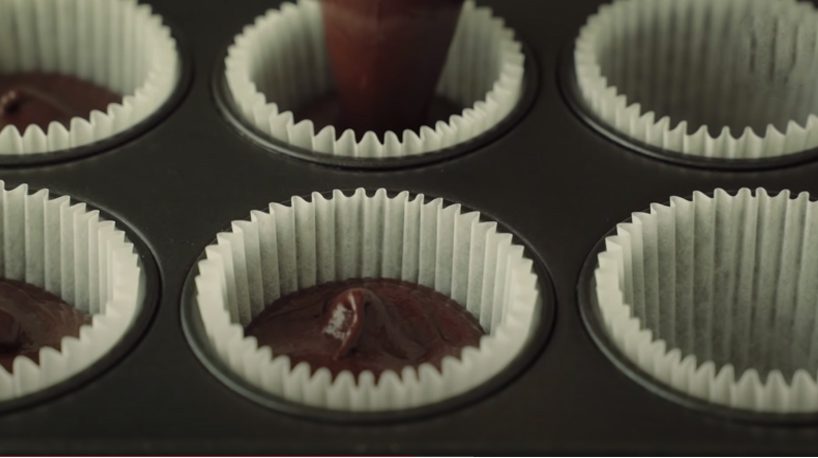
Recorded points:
(550, 179)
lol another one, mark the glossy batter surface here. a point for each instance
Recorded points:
(42, 98)
(32, 318)
(369, 324)
(387, 57)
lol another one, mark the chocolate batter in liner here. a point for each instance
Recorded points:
(313, 258)
(53, 99)
(32, 318)
(61, 309)
(371, 324)
(37, 98)
(289, 93)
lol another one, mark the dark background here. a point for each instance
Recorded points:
(551, 178)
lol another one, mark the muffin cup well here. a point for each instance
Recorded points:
(484, 72)
(117, 44)
(341, 237)
(706, 81)
(714, 298)
(72, 252)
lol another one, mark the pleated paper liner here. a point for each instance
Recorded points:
(487, 72)
(640, 73)
(296, 245)
(711, 302)
(117, 44)
(82, 256)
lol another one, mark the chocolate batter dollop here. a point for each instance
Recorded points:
(32, 318)
(326, 111)
(369, 324)
(386, 57)
(42, 98)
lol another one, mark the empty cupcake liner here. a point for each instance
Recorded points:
(279, 63)
(727, 79)
(716, 297)
(75, 254)
(340, 237)
(117, 44)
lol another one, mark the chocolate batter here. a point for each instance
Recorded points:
(359, 325)
(387, 57)
(41, 98)
(32, 318)
(326, 111)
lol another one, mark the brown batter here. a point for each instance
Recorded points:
(42, 98)
(32, 318)
(326, 111)
(359, 325)
(387, 57)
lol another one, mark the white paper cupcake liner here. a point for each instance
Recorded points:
(717, 297)
(71, 252)
(280, 63)
(728, 79)
(341, 237)
(117, 44)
